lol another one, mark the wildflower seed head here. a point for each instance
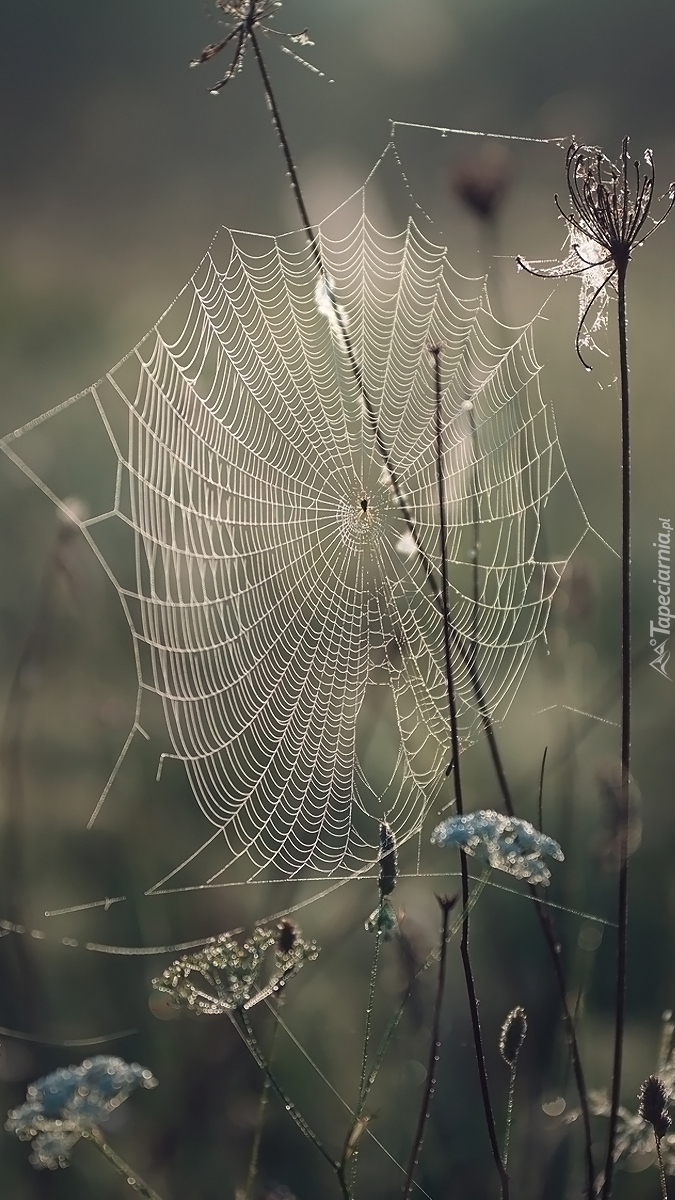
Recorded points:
(653, 1108)
(610, 201)
(512, 1036)
(246, 16)
(66, 1105)
(610, 215)
(388, 861)
(505, 843)
(227, 975)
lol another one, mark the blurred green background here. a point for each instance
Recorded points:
(117, 166)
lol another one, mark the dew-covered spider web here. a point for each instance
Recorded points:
(275, 470)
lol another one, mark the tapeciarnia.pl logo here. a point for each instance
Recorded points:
(659, 630)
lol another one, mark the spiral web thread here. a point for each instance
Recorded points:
(276, 577)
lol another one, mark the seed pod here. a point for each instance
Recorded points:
(513, 1036)
(388, 861)
(654, 1097)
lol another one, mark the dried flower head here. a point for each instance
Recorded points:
(653, 1107)
(505, 843)
(636, 1132)
(226, 976)
(287, 933)
(512, 1036)
(609, 217)
(71, 1102)
(247, 15)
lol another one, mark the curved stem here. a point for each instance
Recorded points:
(363, 1086)
(434, 1047)
(509, 1111)
(369, 1017)
(245, 1031)
(260, 1120)
(622, 934)
(132, 1177)
(454, 746)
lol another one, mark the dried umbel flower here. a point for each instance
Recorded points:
(653, 1106)
(247, 15)
(610, 215)
(611, 202)
(226, 976)
(512, 1036)
(71, 1103)
(505, 843)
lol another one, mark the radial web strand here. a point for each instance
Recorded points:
(280, 536)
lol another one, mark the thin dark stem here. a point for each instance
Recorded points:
(132, 1177)
(369, 1017)
(540, 800)
(509, 1110)
(245, 1030)
(292, 173)
(466, 654)
(457, 776)
(622, 933)
(475, 519)
(260, 1121)
(434, 1046)
(363, 1087)
(662, 1173)
(553, 947)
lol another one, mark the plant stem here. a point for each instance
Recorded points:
(622, 933)
(369, 1016)
(454, 746)
(260, 1120)
(475, 518)
(662, 1173)
(394, 1022)
(540, 798)
(509, 1113)
(363, 1088)
(245, 1031)
(132, 1177)
(434, 1046)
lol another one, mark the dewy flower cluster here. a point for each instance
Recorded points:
(71, 1102)
(506, 843)
(228, 974)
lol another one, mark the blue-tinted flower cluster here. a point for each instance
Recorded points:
(506, 843)
(69, 1103)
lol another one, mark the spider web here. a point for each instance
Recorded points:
(286, 546)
